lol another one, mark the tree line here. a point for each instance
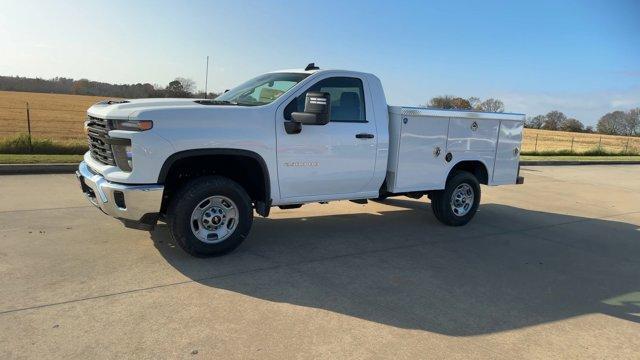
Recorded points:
(614, 123)
(626, 123)
(180, 87)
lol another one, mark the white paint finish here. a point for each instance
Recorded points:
(422, 111)
(486, 158)
(149, 150)
(505, 170)
(381, 113)
(412, 163)
(326, 160)
(464, 136)
(222, 127)
(347, 168)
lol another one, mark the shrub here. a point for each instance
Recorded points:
(20, 145)
(596, 151)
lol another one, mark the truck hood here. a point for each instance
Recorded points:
(123, 109)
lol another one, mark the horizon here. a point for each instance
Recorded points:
(583, 60)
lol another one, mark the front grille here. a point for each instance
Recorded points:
(98, 132)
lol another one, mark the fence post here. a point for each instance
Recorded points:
(572, 139)
(626, 147)
(29, 128)
(536, 147)
(600, 143)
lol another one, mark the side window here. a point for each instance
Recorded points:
(347, 99)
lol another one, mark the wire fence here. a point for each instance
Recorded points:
(64, 124)
(560, 141)
(55, 124)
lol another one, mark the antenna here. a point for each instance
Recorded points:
(311, 66)
(206, 78)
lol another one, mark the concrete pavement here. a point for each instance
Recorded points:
(546, 269)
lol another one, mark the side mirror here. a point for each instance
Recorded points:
(317, 109)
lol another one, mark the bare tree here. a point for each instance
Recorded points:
(632, 122)
(612, 123)
(553, 119)
(535, 122)
(474, 101)
(188, 85)
(449, 102)
(179, 88)
(573, 125)
(490, 105)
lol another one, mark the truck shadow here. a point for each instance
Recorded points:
(510, 268)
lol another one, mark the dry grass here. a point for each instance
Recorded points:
(39, 159)
(561, 140)
(54, 116)
(60, 117)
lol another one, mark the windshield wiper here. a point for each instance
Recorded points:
(249, 103)
(216, 102)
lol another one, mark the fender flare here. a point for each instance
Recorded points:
(168, 163)
(484, 165)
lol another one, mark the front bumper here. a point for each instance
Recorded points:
(137, 206)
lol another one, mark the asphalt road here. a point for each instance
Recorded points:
(547, 269)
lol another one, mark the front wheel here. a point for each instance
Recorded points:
(458, 202)
(210, 216)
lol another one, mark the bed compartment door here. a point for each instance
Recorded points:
(423, 140)
(505, 170)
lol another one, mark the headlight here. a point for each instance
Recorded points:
(132, 125)
(122, 153)
(127, 150)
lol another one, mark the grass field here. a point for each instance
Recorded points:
(562, 140)
(579, 158)
(61, 117)
(38, 159)
(55, 116)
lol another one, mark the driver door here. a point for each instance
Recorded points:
(331, 161)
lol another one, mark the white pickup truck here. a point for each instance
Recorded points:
(284, 139)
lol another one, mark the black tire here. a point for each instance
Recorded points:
(441, 200)
(380, 198)
(191, 195)
(435, 198)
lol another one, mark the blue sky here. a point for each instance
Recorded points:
(580, 57)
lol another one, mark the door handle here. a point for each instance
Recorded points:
(364, 136)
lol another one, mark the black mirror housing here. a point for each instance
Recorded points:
(317, 109)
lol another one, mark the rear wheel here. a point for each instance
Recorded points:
(210, 216)
(458, 202)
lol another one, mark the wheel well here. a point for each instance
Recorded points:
(248, 171)
(477, 168)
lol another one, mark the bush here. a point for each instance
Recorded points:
(20, 145)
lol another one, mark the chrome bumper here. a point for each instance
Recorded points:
(136, 205)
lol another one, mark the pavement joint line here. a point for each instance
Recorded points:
(295, 264)
(46, 209)
(553, 180)
(579, 249)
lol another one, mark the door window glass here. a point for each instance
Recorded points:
(347, 99)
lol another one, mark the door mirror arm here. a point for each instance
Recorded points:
(306, 118)
(292, 127)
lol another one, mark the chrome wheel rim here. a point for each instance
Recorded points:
(462, 199)
(214, 219)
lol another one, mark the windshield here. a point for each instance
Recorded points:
(262, 89)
